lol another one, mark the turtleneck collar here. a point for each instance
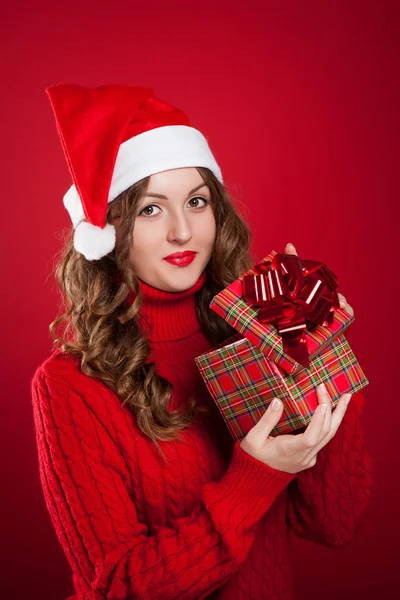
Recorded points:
(167, 316)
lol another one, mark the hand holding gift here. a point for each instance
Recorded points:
(295, 453)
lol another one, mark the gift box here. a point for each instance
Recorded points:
(282, 348)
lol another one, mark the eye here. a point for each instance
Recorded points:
(145, 208)
(154, 205)
(199, 198)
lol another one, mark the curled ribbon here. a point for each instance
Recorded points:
(288, 292)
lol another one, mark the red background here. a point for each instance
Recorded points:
(299, 102)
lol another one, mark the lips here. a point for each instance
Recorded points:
(181, 259)
(179, 255)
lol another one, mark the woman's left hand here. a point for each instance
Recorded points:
(290, 249)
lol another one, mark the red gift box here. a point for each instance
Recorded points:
(247, 371)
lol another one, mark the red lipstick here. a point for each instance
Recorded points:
(181, 259)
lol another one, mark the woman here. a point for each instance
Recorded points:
(148, 493)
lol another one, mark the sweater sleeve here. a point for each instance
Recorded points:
(87, 494)
(328, 502)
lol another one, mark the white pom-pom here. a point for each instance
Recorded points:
(92, 241)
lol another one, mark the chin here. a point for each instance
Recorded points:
(182, 279)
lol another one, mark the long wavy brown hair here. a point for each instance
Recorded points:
(101, 328)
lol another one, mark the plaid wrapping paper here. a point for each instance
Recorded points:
(230, 305)
(243, 382)
(244, 373)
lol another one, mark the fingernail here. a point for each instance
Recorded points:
(322, 387)
(347, 398)
(276, 404)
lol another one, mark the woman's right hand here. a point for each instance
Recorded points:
(294, 453)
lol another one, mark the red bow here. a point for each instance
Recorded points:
(288, 292)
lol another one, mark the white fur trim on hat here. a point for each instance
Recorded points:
(160, 149)
(156, 150)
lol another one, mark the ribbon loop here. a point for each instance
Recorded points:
(291, 294)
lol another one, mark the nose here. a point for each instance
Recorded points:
(179, 228)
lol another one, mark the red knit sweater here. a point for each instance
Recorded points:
(214, 521)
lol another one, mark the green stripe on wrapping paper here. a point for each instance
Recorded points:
(253, 398)
(232, 361)
(243, 317)
(338, 358)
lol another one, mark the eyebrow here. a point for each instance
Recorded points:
(166, 198)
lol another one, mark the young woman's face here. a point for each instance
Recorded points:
(182, 220)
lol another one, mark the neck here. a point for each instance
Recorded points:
(167, 316)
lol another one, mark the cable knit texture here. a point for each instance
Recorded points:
(214, 521)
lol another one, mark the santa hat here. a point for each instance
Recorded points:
(113, 136)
